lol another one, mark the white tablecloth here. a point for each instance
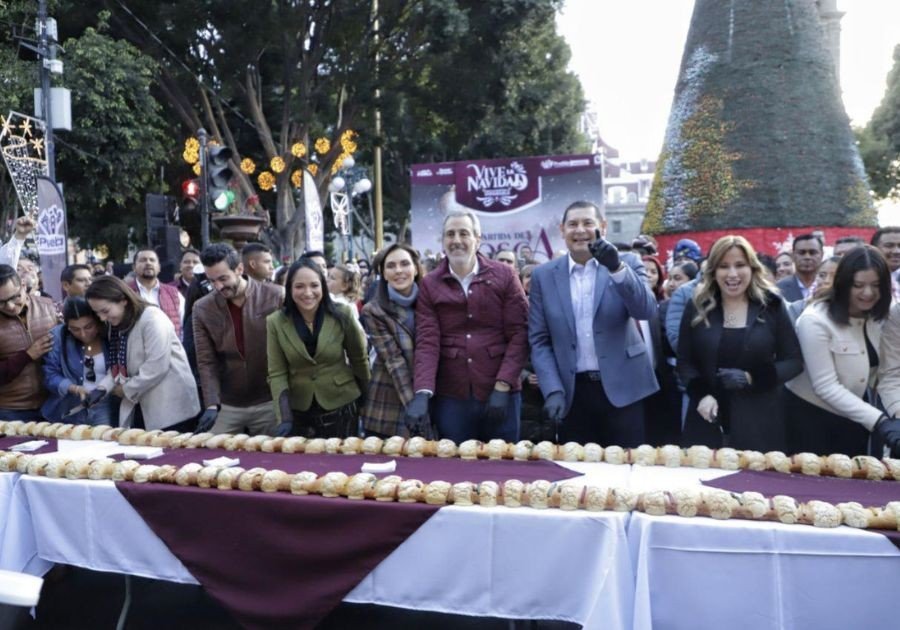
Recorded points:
(513, 563)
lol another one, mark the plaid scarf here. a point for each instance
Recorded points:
(118, 352)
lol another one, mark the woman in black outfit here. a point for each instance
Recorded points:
(736, 348)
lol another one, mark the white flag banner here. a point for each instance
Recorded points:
(315, 223)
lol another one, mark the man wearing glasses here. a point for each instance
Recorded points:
(25, 325)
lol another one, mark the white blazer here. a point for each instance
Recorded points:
(889, 367)
(836, 368)
(159, 376)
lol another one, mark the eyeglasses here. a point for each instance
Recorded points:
(90, 376)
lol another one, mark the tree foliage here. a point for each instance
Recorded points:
(879, 140)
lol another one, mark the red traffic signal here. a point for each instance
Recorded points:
(190, 190)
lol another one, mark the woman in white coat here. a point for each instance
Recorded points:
(840, 335)
(148, 366)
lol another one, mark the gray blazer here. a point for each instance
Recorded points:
(159, 377)
(625, 369)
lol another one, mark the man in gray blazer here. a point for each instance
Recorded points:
(591, 362)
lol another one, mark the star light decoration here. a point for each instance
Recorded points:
(22, 146)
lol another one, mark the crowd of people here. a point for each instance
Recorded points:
(607, 343)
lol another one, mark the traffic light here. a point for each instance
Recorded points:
(190, 193)
(218, 176)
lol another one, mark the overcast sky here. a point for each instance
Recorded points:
(627, 54)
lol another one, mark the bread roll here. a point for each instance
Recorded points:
(807, 463)
(272, 445)
(644, 455)
(304, 482)
(615, 455)
(595, 498)
(653, 502)
(56, 468)
(112, 435)
(124, 470)
(28, 428)
(446, 448)
(333, 445)
(415, 447)
(687, 501)
(251, 479)
(145, 473)
(469, 449)
(11, 427)
(80, 432)
(198, 440)
(892, 467)
(386, 489)
(78, 468)
(50, 430)
(593, 452)
(146, 438)
(187, 474)
(315, 446)
(752, 460)
(8, 461)
(372, 445)
(544, 450)
(671, 456)
(821, 514)
(333, 484)
(569, 495)
(181, 440)
(623, 499)
(361, 486)
(866, 467)
(786, 509)
(410, 491)
(164, 439)
(854, 515)
(394, 445)
(351, 446)
(217, 441)
(128, 437)
(37, 465)
(778, 461)
(23, 461)
(437, 492)
(296, 444)
(256, 442)
(98, 431)
(488, 493)
(64, 432)
(497, 449)
(236, 442)
(513, 489)
(753, 505)
(572, 452)
(166, 473)
(275, 481)
(206, 478)
(463, 493)
(537, 494)
(228, 478)
(522, 450)
(40, 427)
(699, 456)
(719, 504)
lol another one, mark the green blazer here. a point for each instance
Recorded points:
(335, 375)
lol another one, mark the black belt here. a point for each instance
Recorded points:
(593, 376)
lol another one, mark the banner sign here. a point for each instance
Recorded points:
(519, 201)
(50, 235)
(315, 223)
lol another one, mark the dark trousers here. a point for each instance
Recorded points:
(812, 429)
(593, 418)
(316, 422)
(461, 420)
(185, 426)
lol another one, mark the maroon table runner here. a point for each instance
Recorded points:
(811, 488)
(276, 560)
(7, 442)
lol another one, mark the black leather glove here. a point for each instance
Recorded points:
(554, 407)
(207, 420)
(888, 429)
(287, 415)
(732, 379)
(415, 413)
(495, 412)
(605, 253)
(94, 397)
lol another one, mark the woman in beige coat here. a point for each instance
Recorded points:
(148, 366)
(840, 335)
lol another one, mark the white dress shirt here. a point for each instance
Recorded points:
(582, 280)
(152, 295)
(466, 280)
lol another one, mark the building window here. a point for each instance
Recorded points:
(616, 226)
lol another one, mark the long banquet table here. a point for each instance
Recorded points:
(606, 569)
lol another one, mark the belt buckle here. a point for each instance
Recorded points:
(594, 377)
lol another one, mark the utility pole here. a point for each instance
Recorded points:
(204, 187)
(47, 54)
(379, 212)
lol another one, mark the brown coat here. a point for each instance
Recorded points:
(25, 391)
(225, 375)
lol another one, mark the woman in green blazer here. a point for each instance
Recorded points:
(318, 366)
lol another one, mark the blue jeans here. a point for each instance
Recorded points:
(461, 420)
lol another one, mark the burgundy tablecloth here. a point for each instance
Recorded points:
(285, 561)
(7, 442)
(810, 488)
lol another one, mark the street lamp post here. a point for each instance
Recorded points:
(350, 181)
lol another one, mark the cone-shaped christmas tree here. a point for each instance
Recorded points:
(757, 136)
